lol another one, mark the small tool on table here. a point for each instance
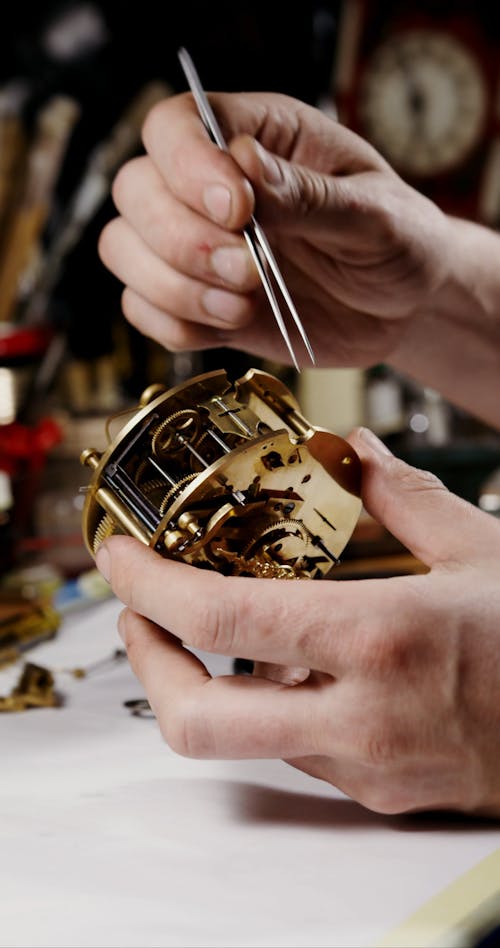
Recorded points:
(256, 239)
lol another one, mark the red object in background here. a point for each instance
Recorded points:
(23, 447)
(23, 452)
(24, 344)
(21, 443)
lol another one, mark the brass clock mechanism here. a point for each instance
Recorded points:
(229, 477)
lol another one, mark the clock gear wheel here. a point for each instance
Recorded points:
(226, 476)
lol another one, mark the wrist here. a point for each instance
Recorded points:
(457, 335)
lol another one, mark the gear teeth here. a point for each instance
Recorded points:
(176, 489)
(190, 415)
(283, 524)
(105, 528)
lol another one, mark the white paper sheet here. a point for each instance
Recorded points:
(110, 840)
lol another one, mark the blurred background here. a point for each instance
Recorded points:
(420, 80)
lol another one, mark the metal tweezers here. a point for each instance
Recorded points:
(256, 239)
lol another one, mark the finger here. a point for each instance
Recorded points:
(176, 335)
(261, 336)
(193, 166)
(185, 240)
(198, 172)
(134, 263)
(318, 197)
(326, 626)
(225, 717)
(316, 727)
(434, 524)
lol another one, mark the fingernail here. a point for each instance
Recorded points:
(231, 264)
(217, 200)
(270, 167)
(373, 442)
(103, 563)
(222, 304)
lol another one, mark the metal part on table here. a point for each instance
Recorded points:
(23, 624)
(255, 237)
(35, 689)
(229, 477)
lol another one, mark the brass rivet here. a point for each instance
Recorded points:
(90, 457)
(346, 460)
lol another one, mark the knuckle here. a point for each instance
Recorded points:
(379, 748)
(414, 479)
(154, 122)
(127, 627)
(187, 731)
(386, 742)
(173, 333)
(388, 653)
(106, 240)
(385, 799)
(387, 225)
(312, 643)
(307, 192)
(132, 644)
(129, 304)
(215, 624)
(126, 587)
(176, 340)
(169, 246)
(120, 184)
(136, 313)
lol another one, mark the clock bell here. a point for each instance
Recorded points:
(226, 476)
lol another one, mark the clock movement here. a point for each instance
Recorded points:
(228, 477)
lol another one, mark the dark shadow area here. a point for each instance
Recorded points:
(267, 805)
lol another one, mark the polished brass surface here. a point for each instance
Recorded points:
(229, 477)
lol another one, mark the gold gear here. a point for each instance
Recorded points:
(105, 528)
(174, 490)
(285, 525)
(188, 416)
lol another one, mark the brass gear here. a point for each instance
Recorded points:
(284, 529)
(105, 528)
(189, 418)
(174, 490)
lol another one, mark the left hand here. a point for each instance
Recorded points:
(363, 253)
(401, 709)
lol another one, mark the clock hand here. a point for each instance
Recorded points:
(416, 96)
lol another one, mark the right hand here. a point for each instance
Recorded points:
(361, 251)
(401, 708)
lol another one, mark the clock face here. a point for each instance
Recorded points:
(423, 101)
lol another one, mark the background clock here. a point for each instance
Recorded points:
(423, 101)
(421, 82)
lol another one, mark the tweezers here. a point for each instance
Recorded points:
(254, 235)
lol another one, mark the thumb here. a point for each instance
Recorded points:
(290, 192)
(416, 507)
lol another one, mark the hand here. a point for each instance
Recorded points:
(401, 708)
(361, 251)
